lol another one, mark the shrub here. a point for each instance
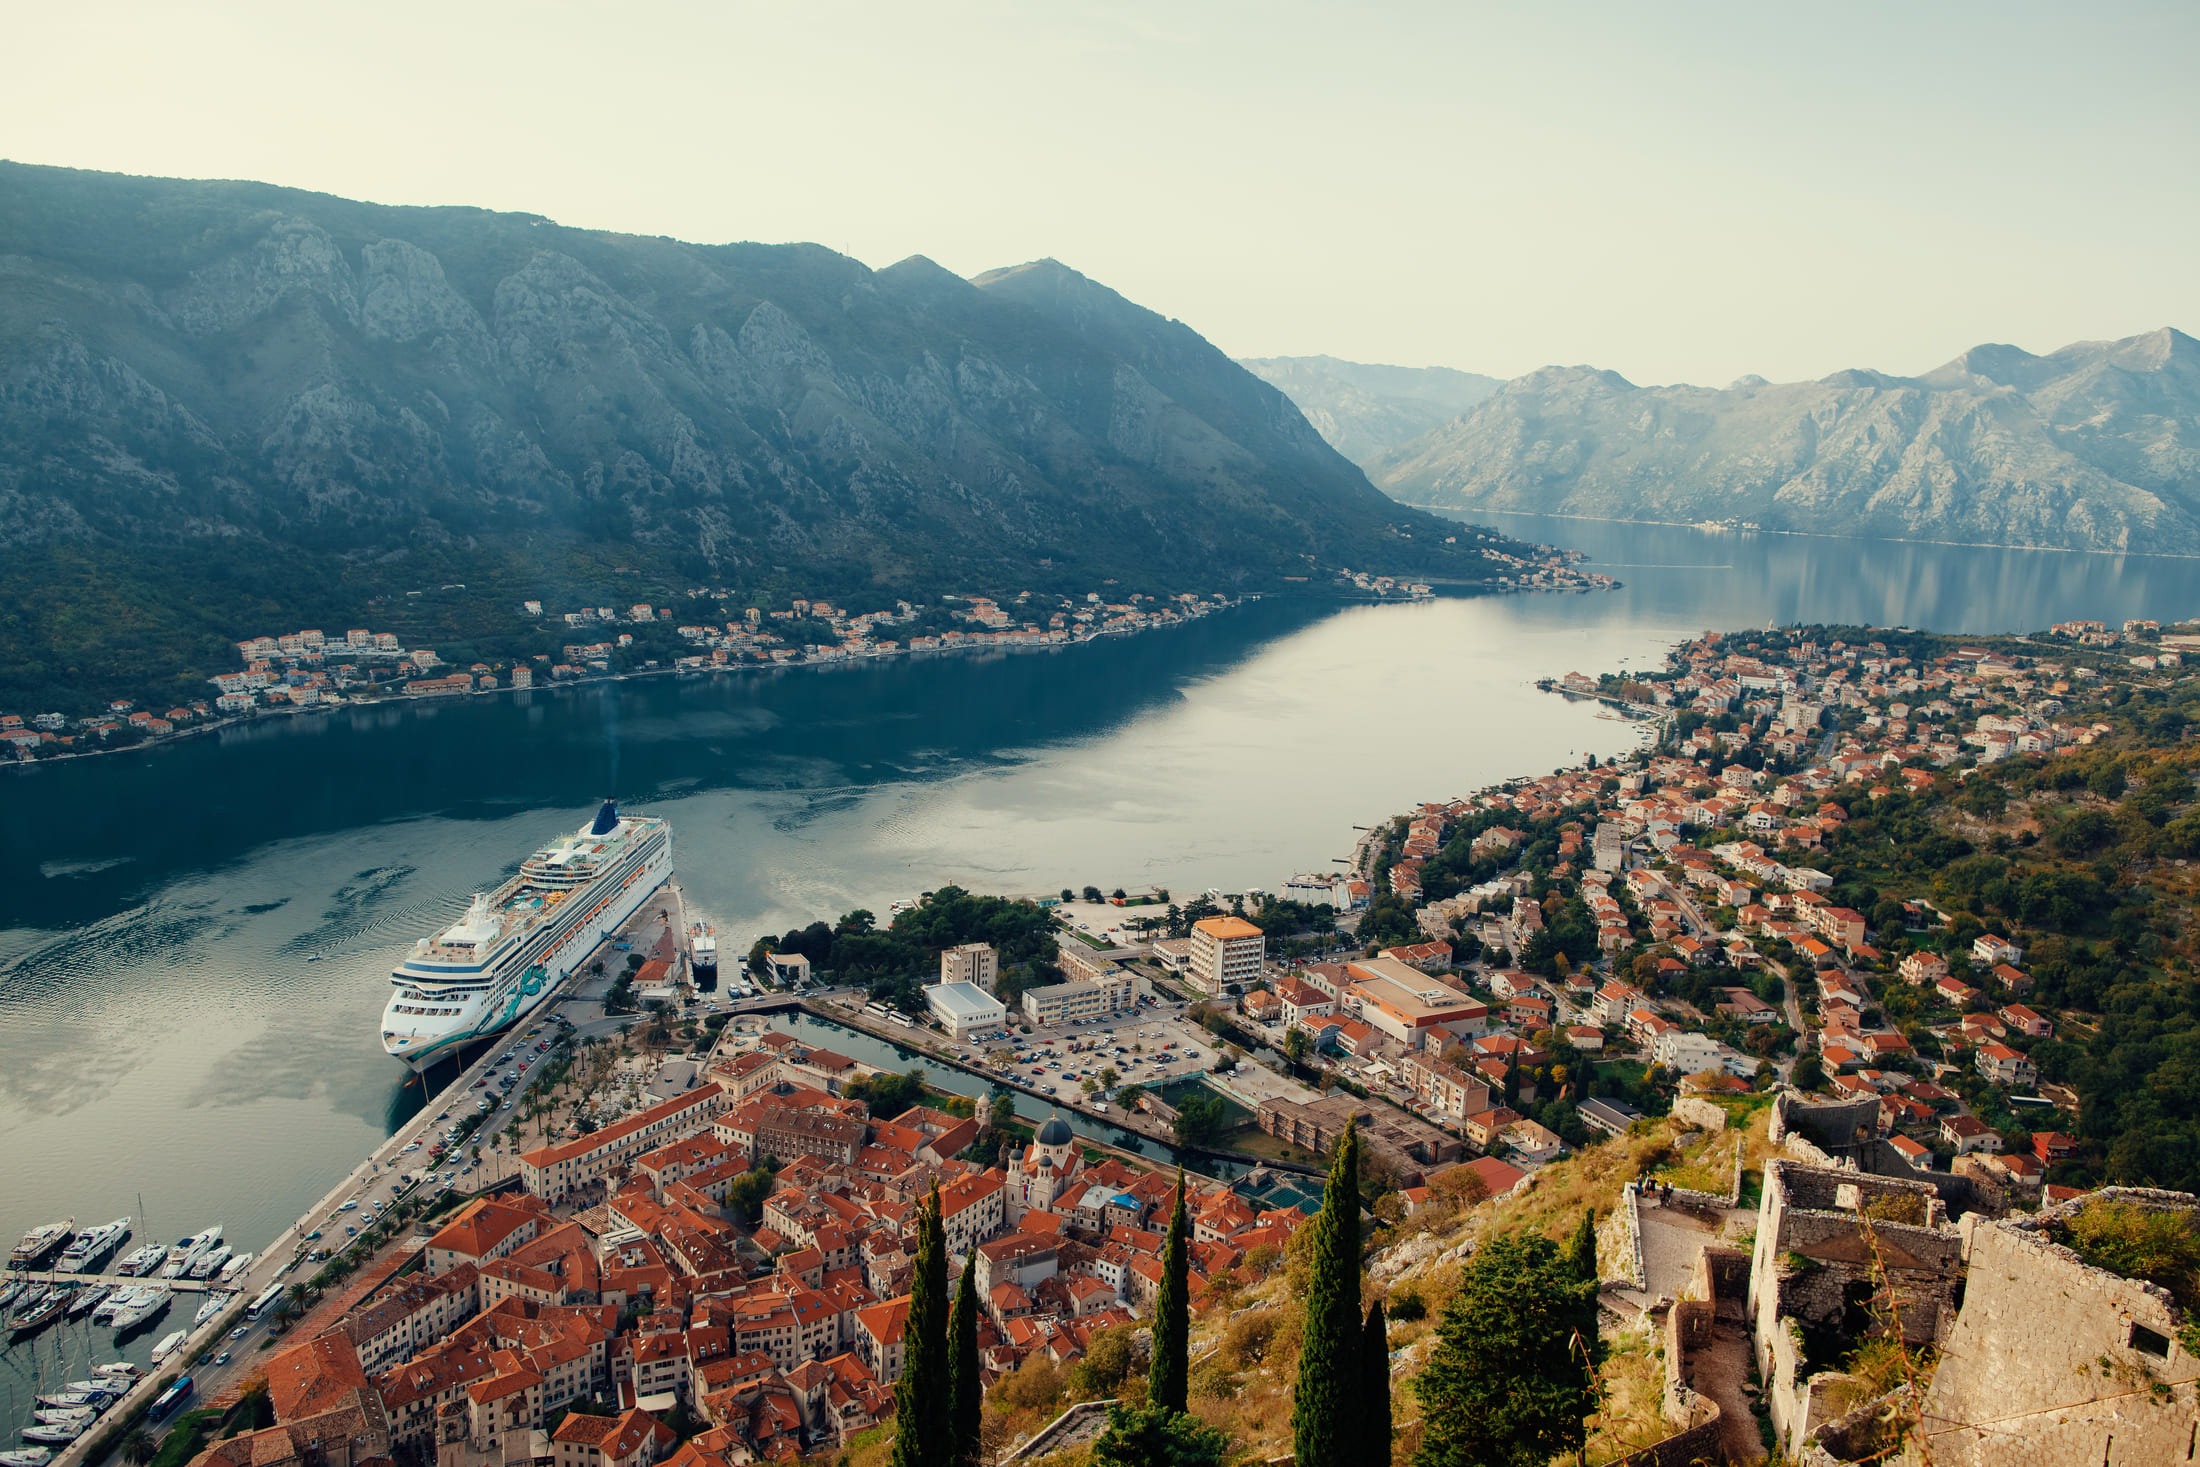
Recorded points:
(2162, 1248)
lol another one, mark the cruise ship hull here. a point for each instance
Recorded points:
(489, 1002)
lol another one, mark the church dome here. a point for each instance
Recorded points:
(1054, 1132)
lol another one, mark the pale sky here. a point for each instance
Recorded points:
(1676, 192)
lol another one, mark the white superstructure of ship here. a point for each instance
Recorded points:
(489, 969)
(703, 955)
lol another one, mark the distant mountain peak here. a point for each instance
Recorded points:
(1576, 378)
(2095, 446)
(1366, 410)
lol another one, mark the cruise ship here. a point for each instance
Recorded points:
(490, 968)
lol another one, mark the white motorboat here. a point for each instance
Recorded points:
(188, 1251)
(141, 1260)
(169, 1344)
(215, 1304)
(235, 1267)
(148, 1302)
(208, 1264)
(92, 1245)
(27, 1457)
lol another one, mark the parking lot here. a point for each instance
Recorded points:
(1151, 1045)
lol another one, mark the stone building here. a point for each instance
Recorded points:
(1842, 1255)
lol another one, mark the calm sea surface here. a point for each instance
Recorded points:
(168, 1051)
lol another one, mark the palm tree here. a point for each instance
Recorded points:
(139, 1447)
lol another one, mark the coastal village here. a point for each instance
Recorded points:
(313, 669)
(1517, 978)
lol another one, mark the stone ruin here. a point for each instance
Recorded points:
(1841, 1256)
(2054, 1363)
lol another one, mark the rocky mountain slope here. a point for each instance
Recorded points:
(2093, 447)
(1365, 411)
(233, 406)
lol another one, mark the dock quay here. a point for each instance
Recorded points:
(382, 1176)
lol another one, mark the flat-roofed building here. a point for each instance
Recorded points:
(1226, 950)
(1412, 1007)
(965, 1010)
(1080, 998)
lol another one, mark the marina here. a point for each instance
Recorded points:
(611, 872)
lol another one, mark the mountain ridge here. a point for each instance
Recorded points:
(2095, 446)
(225, 395)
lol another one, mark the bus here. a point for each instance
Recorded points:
(265, 1302)
(170, 1401)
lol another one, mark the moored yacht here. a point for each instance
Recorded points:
(39, 1242)
(169, 1344)
(57, 1435)
(143, 1305)
(92, 1245)
(215, 1304)
(703, 956)
(207, 1265)
(142, 1259)
(40, 1311)
(235, 1267)
(86, 1300)
(188, 1251)
(489, 969)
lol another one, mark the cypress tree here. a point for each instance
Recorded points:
(966, 1383)
(1168, 1383)
(920, 1395)
(1375, 1399)
(1580, 1256)
(1324, 1421)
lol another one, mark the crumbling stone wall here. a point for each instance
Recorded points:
(1824, 1132)
(1845, 1253)
(2055, 1364)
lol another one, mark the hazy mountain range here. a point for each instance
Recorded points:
(2093, 447)
(234, 405)
(1365, 411)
